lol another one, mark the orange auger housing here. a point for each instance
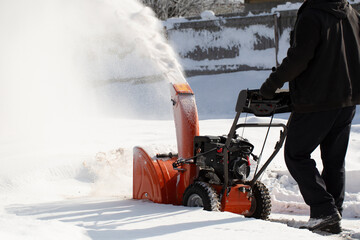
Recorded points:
(155, 178)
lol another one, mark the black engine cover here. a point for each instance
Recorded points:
(210, 158)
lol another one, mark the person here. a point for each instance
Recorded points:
(322, 67)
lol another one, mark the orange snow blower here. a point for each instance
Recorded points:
(210, 171)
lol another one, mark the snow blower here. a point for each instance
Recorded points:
(211, 171)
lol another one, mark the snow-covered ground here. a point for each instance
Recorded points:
(80, 187)
(78, 93)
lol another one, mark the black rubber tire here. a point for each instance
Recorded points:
(260, 203)
(201, 194)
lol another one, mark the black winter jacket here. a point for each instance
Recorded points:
(323, 62)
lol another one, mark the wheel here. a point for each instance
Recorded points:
(260, 202)
(201, 194)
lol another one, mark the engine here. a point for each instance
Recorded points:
(210, 159)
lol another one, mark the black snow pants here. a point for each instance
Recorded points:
(324, 193)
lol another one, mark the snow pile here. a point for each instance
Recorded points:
(287, 6)
(207, 15)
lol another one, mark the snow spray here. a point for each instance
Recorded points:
(65, 65)
(68, 59)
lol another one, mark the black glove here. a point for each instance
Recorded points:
(271, 84)
(267, 90)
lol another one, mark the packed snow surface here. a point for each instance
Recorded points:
(79, 92)
(81, 187)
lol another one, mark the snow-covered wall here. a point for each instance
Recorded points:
(228, 43)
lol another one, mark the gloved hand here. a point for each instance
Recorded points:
(271, 84)
(267, 90)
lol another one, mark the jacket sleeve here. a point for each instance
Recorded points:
(306, 39)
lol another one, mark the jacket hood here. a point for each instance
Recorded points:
(338, 8)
